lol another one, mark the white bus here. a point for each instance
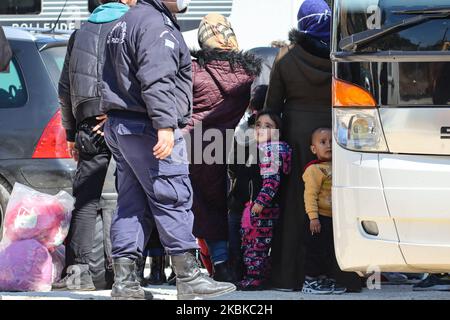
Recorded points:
(391, 151)
(256, 22)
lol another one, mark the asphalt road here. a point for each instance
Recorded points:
(387, 292)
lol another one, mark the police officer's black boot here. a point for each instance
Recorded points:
(157, 274)
(126, 285)
(171, 281)
(192, 283)
(140, 267)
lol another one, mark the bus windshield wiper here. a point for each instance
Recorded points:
(441, 10)
(359, 39)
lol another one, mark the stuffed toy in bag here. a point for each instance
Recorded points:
(37, 217)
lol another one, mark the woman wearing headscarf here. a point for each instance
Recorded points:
(300, 90)
(222, 77)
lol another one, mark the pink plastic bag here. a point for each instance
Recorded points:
(58, 261)
(34, 215)
(25, 266)
(246, 216)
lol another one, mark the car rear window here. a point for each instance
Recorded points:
(354, 16)
(13, 93)
(54, 61)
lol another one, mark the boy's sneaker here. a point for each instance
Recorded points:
(316, 286)
(432, 283)
(337, 289)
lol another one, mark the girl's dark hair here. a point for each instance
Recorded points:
(272, 115)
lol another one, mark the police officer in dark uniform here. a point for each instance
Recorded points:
(147, 96)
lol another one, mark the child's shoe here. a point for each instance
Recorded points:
(316, 286)
(337, 289)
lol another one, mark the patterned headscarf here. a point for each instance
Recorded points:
(314, 18)
(215, 32)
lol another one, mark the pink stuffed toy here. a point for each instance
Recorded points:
(25, 266)
(38, 216)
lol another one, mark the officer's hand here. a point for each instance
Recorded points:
(99, 127)
(73, 150)
(165, 144)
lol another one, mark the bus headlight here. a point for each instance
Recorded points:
(359, 129)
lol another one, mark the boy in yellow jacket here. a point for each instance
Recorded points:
(320, 256)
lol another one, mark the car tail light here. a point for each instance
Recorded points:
(52, 144)
(347, 95)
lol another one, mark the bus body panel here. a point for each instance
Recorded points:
(418, 193)
(407, 73)
(358, 196)
(417, 130)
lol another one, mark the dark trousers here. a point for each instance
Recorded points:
(94, 158)
(148, 188)
(321, 257)
(234, 234)
(236, 261)
(154, 248)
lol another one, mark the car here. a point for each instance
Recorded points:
(70, 14)
(33, 149)
(391, 142)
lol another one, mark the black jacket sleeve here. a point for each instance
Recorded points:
(68, 119)
(5, 51)
(157, 53)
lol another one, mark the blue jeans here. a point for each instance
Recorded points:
(218, 251)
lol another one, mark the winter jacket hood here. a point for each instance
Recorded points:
(228, 68)
(313, 45)
(307, 49)
(301, 76)
(108, 12)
